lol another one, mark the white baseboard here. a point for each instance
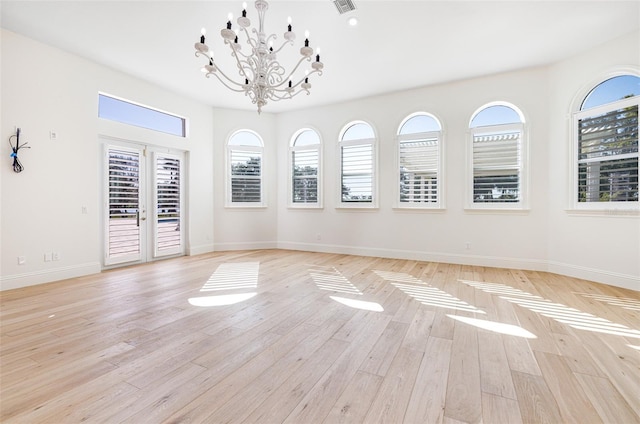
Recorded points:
(605, 277)
(46, 276)
(199, 250)
(625, 281)
(251, 245)
(491, 261)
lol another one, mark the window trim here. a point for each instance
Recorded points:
(244, 148)
(524, 167)
(596, 208)
(440, 203)
(374, 166)
(292, 148)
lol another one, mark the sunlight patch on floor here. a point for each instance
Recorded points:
(556, 311)
(424, 293)
(624, 302)
(358, 304)
(220, 300)
(330, 279)
(496, 327)
(229, 276)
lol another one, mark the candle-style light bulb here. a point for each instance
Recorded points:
(203, 32)
(289, 23)
(306, 36)
(230, 17)
(318, 54)
(244, 9)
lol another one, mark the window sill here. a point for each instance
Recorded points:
(619, 213)
(492, 211)
(420, 209)
(245, 206)
(357, 206)
(305, 207)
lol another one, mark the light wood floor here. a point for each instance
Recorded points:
(148, 344)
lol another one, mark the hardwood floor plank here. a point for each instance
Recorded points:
(391, 401)
(495, 374)
(573, 404)
(537, 404)
(610, 405)
(379, 359)
(427, 402)
(354, 403)
(500, 410)
(328, 389)
(127, 345)
(463, 400)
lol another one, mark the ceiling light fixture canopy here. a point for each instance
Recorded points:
(262, 78)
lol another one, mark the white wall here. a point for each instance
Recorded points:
(546, 237)
(245, 228)
(45, 89)
(603, 247)
(41, 207)
(497, 238)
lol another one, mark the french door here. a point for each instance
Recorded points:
(143, 203)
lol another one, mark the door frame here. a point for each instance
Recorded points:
(148, 198)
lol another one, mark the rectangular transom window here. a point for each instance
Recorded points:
(126, 112)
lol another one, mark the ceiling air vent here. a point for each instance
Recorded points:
(344, 6)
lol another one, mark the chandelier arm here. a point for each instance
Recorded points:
(250, 40)
(312, 72)
(288, 77)
(237, 90)
(198, 54)
(288, 95)
(283, 45)
(241, 68)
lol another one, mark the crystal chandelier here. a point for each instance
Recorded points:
(261, 77)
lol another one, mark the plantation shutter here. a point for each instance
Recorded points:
(496, 164)
(419, 162)
(246, 176)
(357, 172)
(123, 228)
(608, 153)
(168, 229)
(305, 175)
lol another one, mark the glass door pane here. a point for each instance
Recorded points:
(124, 233)
(168, 235)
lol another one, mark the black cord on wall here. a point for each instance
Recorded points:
(17, 166)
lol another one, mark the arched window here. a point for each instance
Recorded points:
(606, 128)
(244, 160)
(304, 176)
(497, 153)
(357, 165)
(419, 163)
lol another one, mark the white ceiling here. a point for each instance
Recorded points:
(397, 45)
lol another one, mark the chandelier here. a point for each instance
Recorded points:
(261, 77)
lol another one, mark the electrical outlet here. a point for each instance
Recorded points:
(47, 257)
(318, 236)
(22, 260)
(55, 256)
(53, 135)
(84, 210)
(467, 245)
